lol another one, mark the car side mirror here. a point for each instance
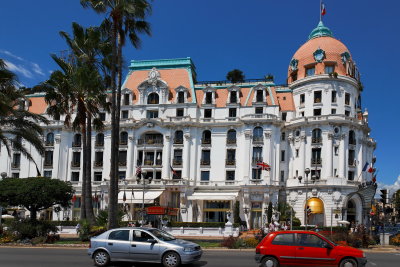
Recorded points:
(328, 246)
(151, 241)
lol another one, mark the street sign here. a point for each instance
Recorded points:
(337, 211)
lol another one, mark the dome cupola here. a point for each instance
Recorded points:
(320, 31)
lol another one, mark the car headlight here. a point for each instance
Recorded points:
(363, 254)
(188, 249)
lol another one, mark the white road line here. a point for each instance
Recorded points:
(373, 263)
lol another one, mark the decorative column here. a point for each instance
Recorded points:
(360, 162)
(246, 156)
(303, 155)
(130, 165)
(186, 169)
(329, 156)
(166, 157)
(342, 156)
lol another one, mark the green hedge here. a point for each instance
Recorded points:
(64, 223)
(199, 224)
(327, 228)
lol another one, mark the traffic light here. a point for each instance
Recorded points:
(385, 196)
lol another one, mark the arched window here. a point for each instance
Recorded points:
(77, 140)
(50, 139)
(258, 134)
(153, 98)
(231, 137)
(123, 138)
(206, 137)
(352, 137)
(316, 136)
(178, 139)
(181, 97)
(99, 139)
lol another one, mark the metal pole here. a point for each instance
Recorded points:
(144, 184)
(291, 218)
(331, 221)
(305, 209)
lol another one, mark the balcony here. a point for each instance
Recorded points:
(206, 141)
(178, 141)
(316, 161)
(177, 162)
(76, 144)
(231, 141)
(98, 163)
(49, 143)
(75, 164)
(154, 142)
(151, 162)
(316, 140)
(15, 165)
(205, 162)
(230, 162)
(48, 164)
(122, 163)
(258, 140)
(123, 142)
(99, 144)
(352, 163)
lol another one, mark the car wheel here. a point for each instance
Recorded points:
(171, 259)
(269, 262)
(348, 263)
(101, 258)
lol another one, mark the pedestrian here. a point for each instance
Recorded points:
(77, 228)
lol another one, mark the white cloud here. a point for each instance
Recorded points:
(37, 69)
(392, 187)
(8, 53)
(18, 68)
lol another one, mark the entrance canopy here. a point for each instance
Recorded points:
(137, 196)
(213, 196)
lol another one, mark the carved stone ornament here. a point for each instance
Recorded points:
(314, 191)
(154, 75)
(267, 135)
(336, 196)
(293, 64)
(150, 125)
(187, 136)
(319, 55)
(293, 196)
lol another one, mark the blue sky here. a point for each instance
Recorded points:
(256, 36)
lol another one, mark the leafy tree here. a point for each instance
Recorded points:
(396, 202)
(16, 122)
(235, 76)
(125, 18)
(35, 193)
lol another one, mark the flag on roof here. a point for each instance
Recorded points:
(323, 9)
(264, 166)
(365, 166)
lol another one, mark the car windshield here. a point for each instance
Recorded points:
(162, 235)
(329, 240)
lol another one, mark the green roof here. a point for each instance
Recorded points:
(320, 31)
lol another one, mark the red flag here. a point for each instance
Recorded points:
(323, 9)
(264, 166)
(73, 198)
(371, 169)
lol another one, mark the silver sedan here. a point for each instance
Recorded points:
(136, 244)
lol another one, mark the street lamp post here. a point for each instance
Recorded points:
(307, 172)
(143, 181)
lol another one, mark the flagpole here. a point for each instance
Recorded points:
(320, 10)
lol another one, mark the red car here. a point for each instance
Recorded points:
(305, 248)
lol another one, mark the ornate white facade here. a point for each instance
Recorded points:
(213, 134)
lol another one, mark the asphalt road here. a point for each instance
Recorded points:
(61, 257)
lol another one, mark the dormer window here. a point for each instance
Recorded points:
(181, 97)
(259, 96)
(329, 69)
(153, 99)
(126, 99)
(209, 98)
(310, 71)
(233, 98)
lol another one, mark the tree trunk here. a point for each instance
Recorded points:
(113, 190)
(89, 200)
(84, 167)
(33, 212)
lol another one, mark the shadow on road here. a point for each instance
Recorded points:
(196, 264)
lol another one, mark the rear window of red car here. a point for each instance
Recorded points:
(284, 240)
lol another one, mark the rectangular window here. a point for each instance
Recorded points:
(310, 71)
(283, 136)
(122, 175)
(179, 112)
(302, 114)
(302, 98)
(75, 176)
(76, 159)
(317, 112)
(97, 176)
(347, 113)
(205, 175)
(207, 113)
(158, 175)
(102, 116)
(282, 155)
(122, 158)
(124, 114)
(336, 149)
(297, 152)
(232, 113)
(352, 157)
(209, 98)
(233, 97)
(259, 110)
(317, 96)
(98, 157)
(48, 158)
(256, 174)
(350, 176)
(347, 99)
(230, 175)
(177, 175)
(260, 96)
(181, 97)
(282, 176)
(152, 114)
(333, 111)
(284, 115)
(177, 157)
(333, 97)
(47, 174)
(329, 69)
(126, 99)
(16, 160)
(257, 154)
(205, 157)
(15, 175)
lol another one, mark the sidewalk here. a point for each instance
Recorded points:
(381, 249)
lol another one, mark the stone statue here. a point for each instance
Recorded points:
(275, 219)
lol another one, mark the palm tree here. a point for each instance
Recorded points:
(15, 120)
(235, 76)
(126, 18)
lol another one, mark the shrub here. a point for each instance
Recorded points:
(395, 240)
(251, 242)
(199, 224)
(84, 230)
(230, 242)
(38, 240)
(7, 237)
(28, 229)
